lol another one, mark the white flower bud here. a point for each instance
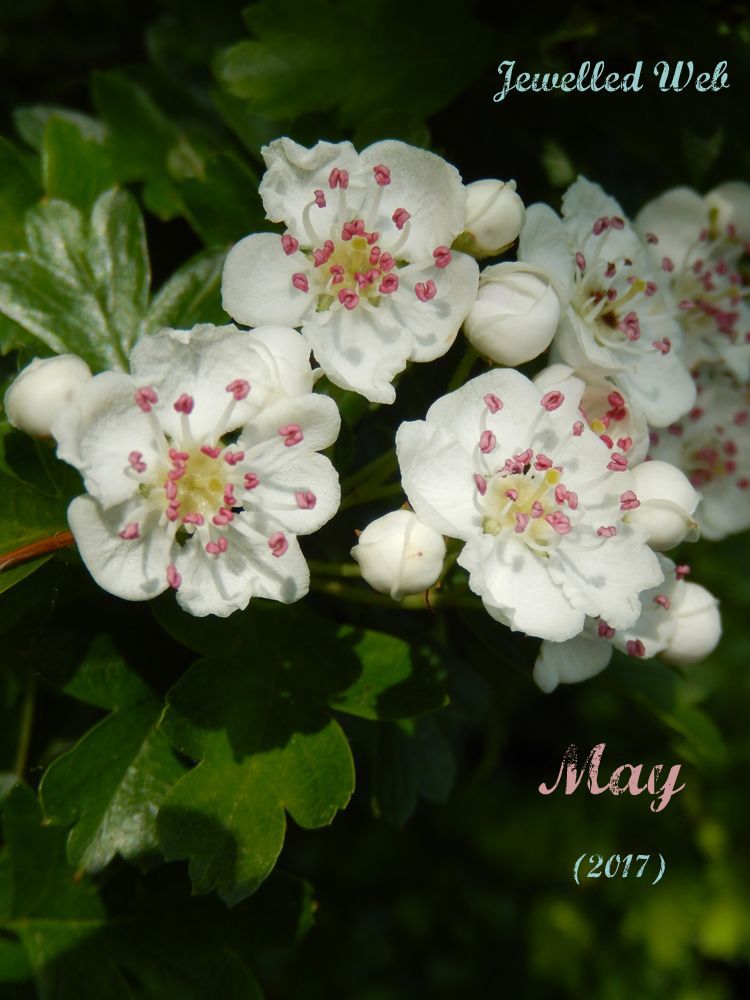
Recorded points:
(42, 389)
(698, 627)
(667, 501)
(515, 315)
(399, 555)
(494, 217)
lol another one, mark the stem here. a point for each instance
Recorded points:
(27, 724)
(465, 365)
(60, 540)
(415, 602)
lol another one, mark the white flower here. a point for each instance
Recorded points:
(712, 447)
(616, 320)
(702, 239)
(399, 555)
(667, 502)
(201, 468)
(364, 267)
(539, 500)
(679, 621)
(515, 315)
(36, 396)
(494, 217)
(621, 426)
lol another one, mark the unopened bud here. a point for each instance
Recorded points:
(399, 555)
(42, 389)
(698, 627)
(667, 502)
(515, 315)
(494, 217)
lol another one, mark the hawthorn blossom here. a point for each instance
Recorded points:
(539, 500)
(679, 621)
(702, 240)
(365, 266)
(711, 445)
(201, 468)
(616, 320)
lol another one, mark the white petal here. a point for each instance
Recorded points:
(569, 662)
(676, 218)
(660, 386)
(427, 187)
(511, 579)
(98, 431)
(294, 173)
(604, 580)
(285, 472)
(543, 243)
(256, 284)
(360, 350)
(435, 323)
(214, 584)
(438, 478)
(732, 201)
(287, 356)
(317, 416)
(135, 570)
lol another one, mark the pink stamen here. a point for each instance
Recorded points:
(354, 228)
(536, 509)
(229, 497)
(625, 444)
(382, 175)
(577, 428)
(663, 346)
(608, 531)
(372, 238)
(512, 494)
(667, 264)
(630, 326)
(196, 519)
(542, 462)
(600, 226)
(233, 457)
(629, 501)
(521, 521)
(130, 532)
(211, 452)
(559, 522)
(292, 434)
(481, 483)
(289, 244)
(487, 442)
(616, 222)
(387, 262)
(173, 577)
(617, 463)
(635, 647)
(135, 460)
(145, 397)
(572, 499)
(170, 490)
(650, 289)
(494, 403)
(278, 544)
(663, 601)
(605, 631)
(223, 518)
(610, 272)
(652, 238)
(425, 290)
(682, 571)
(337, 270)
(251, 481)
(442, 256)
(607, 440)
(348, 298)
(560, 493)
(580, 261)
(300, 282)
(184, 404)
(375, 255)
(320, 199)
(388, 284)
(552, 400)
(217, 547)
(172, 512)
(400, 217)
(306, 499)
(239, 388)
(338, 178)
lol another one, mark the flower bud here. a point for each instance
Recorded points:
(515, 315)
(667, 501)
(494, 217)
(399, 555)
(42, 389)
(698, 627)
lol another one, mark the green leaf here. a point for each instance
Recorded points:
(31, 123)
(19, 190)
(312, 55)
(192, 295)
(412, 758)
(223, 205)
(83, 288)
(265, 748)
(111, 784)
(75, 168)
(26, 516)
(56, 930)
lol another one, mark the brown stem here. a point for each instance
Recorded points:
(60, 540)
